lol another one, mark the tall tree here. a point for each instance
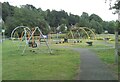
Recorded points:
(7, 10)
(84, 20)
(95, 17)
(96, 26)
(116, 6)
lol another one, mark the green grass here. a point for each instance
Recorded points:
(62, 65)
(104, 50)
(39, 66)
(111, 36)
(96, 44)
(0, 61)
(108, 57)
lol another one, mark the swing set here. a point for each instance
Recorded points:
(28, 36)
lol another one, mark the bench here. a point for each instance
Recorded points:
(89, 43)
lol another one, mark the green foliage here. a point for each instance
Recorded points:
(84, 20)
(97, 26)
(116, 5)
(30, 16)
(95, 17)
(109, 26)
(7, 10)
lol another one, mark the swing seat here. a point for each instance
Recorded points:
(33, 45)
(30, 44)
(89, 43)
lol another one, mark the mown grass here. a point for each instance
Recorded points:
(96, 44)
(0, 61)
(62, 65)
(108, 57)
(104, 50)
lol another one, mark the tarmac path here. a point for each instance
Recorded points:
(92, 68)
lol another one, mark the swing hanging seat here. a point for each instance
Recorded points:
(32, 44)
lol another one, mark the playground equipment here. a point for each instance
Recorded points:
(19, 32)
(92, 32)
(89, 43)
(60, 28)
(78, 33)
(27, 37)
(78, 30)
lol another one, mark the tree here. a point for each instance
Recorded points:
(109, 26)
(116, 6)
(30, 16)
(96, 18)
(97, 26)
(112, 26)
(85, 16)
(10, 24)
(84, 20)
(73, 19)
(7, 10)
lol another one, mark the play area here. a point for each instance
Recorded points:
(34, 40)
(60, 40)
(58, 56)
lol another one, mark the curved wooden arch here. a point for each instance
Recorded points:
(78, 28)
(91, 31)
(84, 31)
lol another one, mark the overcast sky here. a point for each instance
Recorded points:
(76, 7)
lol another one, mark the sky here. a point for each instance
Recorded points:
(76, 7)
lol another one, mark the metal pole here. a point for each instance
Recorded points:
(116, 39)
(25, 40)
(44, 40)
(116, 47)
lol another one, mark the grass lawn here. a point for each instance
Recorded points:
(0, 61)
(62, 65)
(104, 50)
(108, 57)
(39, 66)
(119, 68)
(96, 44)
